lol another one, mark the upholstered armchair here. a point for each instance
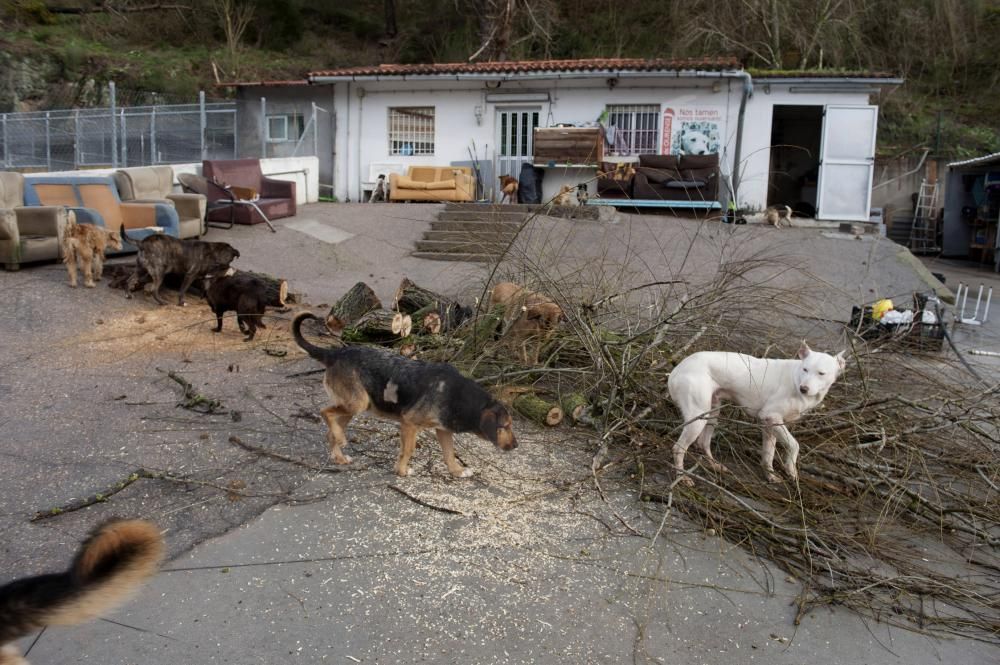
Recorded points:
(155, 184)
(27, 234)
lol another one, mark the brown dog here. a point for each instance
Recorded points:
(85, 244)
(160, 255)
(416, 394)
(775, 214)
(563, 197)
(508, 189)
(530, 318)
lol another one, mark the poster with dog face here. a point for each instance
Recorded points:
(691, 130)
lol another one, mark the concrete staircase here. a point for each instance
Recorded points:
(479, 232)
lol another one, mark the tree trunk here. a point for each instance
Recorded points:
(374, 326)
(354, 304)
(575, 405)
(538, 410)
(276, 290)
(391, 28)
(420, 302)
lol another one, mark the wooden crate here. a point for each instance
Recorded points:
(568, 145)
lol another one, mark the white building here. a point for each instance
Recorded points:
(798, 140)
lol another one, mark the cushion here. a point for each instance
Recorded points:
(423, 174)
(658, 176)
(56, 195)
(102, 199)
(406, 182)
(684, 184)
(699, 161)
(441, 184)
(11, 190)
(659, 161)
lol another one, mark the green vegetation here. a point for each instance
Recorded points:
(945, 49)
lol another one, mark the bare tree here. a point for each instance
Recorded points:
(505, 24)
(235, 17)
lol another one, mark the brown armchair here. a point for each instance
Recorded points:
(614, 180)
(155, 184)
(27, 234)
(277, 197)
(677, 177)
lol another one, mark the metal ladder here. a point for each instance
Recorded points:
(923, 233)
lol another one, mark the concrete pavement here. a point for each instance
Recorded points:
(525, 563)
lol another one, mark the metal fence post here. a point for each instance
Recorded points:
(124, 141)
(114, 131)
(263, 127)
(76, 139)
(48, 141)
(152, 135)
(315, 124)
(203, 118)
(6, 145)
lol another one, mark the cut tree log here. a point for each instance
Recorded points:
(375, 326)
(419, 302)
(351, 307)
(538, 410)
(431, 324)
(276, 291)
(575, 405)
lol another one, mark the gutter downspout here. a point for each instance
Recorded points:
(738, 149)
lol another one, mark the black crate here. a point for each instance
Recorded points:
(917, 335)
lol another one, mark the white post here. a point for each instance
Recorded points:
(114, 128)
(203, 117)
(263, 128)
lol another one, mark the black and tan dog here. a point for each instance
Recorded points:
(110, 565)
(160, 255)
(418, 395)
(246, 294)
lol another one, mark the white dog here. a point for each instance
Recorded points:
(775, 391)
(694, 142)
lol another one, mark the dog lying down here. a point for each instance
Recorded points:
(416, 394)
(110, 565)
(776, 392)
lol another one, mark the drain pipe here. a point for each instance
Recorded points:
(734, 177)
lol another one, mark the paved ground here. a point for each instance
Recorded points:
(276, 561)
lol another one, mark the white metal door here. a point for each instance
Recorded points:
(514, 138)
(847, 162)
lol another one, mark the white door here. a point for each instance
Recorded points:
(846, 163)
(514, 138)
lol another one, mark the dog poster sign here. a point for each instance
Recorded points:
(691, 130)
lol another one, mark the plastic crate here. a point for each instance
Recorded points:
(917, 335)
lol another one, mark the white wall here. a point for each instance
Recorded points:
(362, 131)
(304, 171)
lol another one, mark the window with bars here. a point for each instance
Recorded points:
(411, 131)
(633, 129)
(285, 127)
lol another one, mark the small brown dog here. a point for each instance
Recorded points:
(564, 196)
(530, 318)
(85, 244)
(775, 214)
(508, 189)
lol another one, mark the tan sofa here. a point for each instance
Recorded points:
(433, 183)
(155, 184)
(28, 234)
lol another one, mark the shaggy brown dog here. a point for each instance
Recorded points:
(775, 214)
(85, 244)
(160, 255)
(563, 197)
(416, 394)
(530, 318)
(112, 563)
(508, 189)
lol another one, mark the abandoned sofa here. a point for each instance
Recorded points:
(276, 197)
(433, 183)
(27, 234)
(95, 200)
(155, 184)
(677, 178)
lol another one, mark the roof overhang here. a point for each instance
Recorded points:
(985, 160)
(529, 76)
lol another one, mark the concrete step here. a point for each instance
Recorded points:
(455, 256)
(480, 215)
(469, 246)
(466, 235)
(473, 227)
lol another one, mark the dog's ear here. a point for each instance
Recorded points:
(841, 360)
(804, 351)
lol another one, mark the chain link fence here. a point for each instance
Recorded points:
(118, 136)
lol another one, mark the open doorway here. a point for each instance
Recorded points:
(796, 132)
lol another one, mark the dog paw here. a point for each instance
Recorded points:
(342, 459)
(72, 286)
(772, 477)
(464, 473)
(686, 481)
(90, 285)
(404, 473)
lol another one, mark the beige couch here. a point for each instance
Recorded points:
(155, 184)
(433, 183)
(28, 234)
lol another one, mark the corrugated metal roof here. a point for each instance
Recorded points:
(985, 160)
(524, 66)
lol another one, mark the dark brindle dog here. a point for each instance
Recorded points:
(118, 557)
(160, 255)
(242, 293)
(418, 395)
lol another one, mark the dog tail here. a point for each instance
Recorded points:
(121, 231)
(110, 565)
(317, 352)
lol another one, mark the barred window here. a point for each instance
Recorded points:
(411, 130)
(633, 129)
(285, 127)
